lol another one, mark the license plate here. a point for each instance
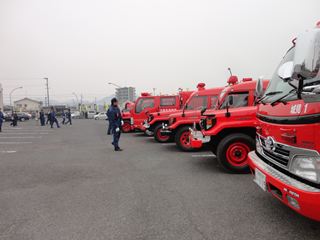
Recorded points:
(260, 179)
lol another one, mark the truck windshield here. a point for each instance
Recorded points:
(278, 87)
(197, 103)
(144, 103)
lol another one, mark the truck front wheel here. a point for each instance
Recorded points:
(158, 136)
(182, 139)
(232, 152)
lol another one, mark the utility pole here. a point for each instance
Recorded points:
(47, 87)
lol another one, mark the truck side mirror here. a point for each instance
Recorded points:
(229, 102)
(203, 110)
(259, 88)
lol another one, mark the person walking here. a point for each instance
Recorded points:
(108, 119)
(53, 118)
(14, 119)
(69, 117)
(115, 122)
(1, 119)
(42, 118)
(63, 117)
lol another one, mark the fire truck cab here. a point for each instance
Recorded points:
(286, 161)
(230, 130)
(147, 104)
(178, 123)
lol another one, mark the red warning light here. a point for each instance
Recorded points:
(145, 94)
(233, 80)
(201, 86)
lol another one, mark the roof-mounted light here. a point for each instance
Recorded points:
(246, 79)
(201, 86)
(318, 25)
(145, 94)
(233, 80)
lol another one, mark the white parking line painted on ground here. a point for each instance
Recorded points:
(20, 137)
(10, 151)
(22, 133)
(8, 143)
(203, 155)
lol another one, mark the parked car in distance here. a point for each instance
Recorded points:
(22, 116)
(91, 114)
(75, 114)
(100, 116)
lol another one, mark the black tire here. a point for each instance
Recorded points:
(229, 147)
(157, 136)
(177, 139)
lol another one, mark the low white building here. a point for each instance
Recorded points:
(1, 97)
(27, 105)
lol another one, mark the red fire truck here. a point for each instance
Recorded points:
(230, 130)
(286, 162)
(177, 125)
(147, 104)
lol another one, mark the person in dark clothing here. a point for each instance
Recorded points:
(42, 118)
(53, 119)
(109, 125)
(115, 122)
(14, 119)
(63, 117)
(1, 119)
(69, 117)
(48, 118)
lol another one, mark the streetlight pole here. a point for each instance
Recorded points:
(47, 87)
(10, 95)
(116, 85)
(74, 94)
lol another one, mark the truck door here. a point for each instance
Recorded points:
(144, 105)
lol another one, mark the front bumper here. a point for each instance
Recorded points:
(285, 188)
(197, 139)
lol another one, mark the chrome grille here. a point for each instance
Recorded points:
(278, 154)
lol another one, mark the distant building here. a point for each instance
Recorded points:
(126, 94)
(1, 97)
(27, 105)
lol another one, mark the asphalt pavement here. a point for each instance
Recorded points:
(68, 183)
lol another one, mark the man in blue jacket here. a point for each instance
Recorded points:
(115, 121)
(109, 125)
(1, 119)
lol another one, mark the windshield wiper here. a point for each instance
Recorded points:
(295, 90)
(267, 95)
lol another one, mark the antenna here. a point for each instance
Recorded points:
(229, 69)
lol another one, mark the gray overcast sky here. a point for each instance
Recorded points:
(80, 45)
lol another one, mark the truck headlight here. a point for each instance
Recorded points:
(307, 167)
(210, 122)
(258, 146)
